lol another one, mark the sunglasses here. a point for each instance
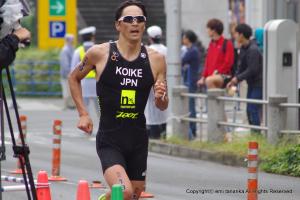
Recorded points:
(131, 19)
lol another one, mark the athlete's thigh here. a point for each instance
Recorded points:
(138, 187)
(116, 174)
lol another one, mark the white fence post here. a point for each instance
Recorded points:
(216, 113)
(180, 108)
(276, 118)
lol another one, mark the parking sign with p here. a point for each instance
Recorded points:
(57, 29)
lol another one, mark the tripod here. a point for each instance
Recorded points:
(21, 152)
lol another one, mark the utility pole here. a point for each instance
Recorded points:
(173, 10)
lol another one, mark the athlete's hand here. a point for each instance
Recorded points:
(160, 90)
(160, 94)
(86, 124)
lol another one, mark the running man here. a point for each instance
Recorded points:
(125, 72)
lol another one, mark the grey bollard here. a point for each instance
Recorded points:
(180, 108)
(276, 118)
(215, 113)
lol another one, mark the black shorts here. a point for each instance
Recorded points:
(126, 146)
(226, 79)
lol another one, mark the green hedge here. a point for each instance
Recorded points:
(287, 162)
(33, 65)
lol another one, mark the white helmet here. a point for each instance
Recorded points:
(154, 32)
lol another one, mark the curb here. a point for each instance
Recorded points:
(186, 152)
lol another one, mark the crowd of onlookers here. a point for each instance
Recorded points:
(223, 64)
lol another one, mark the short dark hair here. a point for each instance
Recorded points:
(191, 36)
(156, 40)
(215, 25)
(244, 29)
(125, 4)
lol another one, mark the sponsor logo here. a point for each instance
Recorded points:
(114, 56)
(125, 115)
(128, 99)
(143, 55)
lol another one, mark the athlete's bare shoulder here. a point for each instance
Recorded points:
(98, 52)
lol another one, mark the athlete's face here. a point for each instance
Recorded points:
(132, 23)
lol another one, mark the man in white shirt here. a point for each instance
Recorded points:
(156, 119)
(88, 84)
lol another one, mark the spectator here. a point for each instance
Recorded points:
(156, 119)
(250, 69)
(184, 68)
(219, 59)
(192, 59)
(88, 84)
(65, 58)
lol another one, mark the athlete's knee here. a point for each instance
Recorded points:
(128, 193)
(136, 195)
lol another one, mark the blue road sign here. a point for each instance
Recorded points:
(57, 29)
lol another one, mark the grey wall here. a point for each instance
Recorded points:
(196, 13)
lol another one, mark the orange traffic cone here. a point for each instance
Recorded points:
(83, 192)
(97, 184)
(146, 195)
(43, 189)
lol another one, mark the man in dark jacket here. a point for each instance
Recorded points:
(192, 59)
(250, 69)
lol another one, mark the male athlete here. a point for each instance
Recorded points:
(125, 72)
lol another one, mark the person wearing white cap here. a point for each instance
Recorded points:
(65, 58)
(156, 119)
(88, 84)
(126, 70)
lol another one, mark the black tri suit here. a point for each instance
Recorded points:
(123, 90)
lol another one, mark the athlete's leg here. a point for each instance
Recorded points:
(214, 81)
(116, 175)
(138, 187)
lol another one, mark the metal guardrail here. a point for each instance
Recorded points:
(274, 129)
(235, 99)
(290, 105)
(195, 95)
(292, 132)
(263, 128)
(189, 119)
(31, 83)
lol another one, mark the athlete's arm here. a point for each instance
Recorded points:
(160, 86)
(81, 70)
